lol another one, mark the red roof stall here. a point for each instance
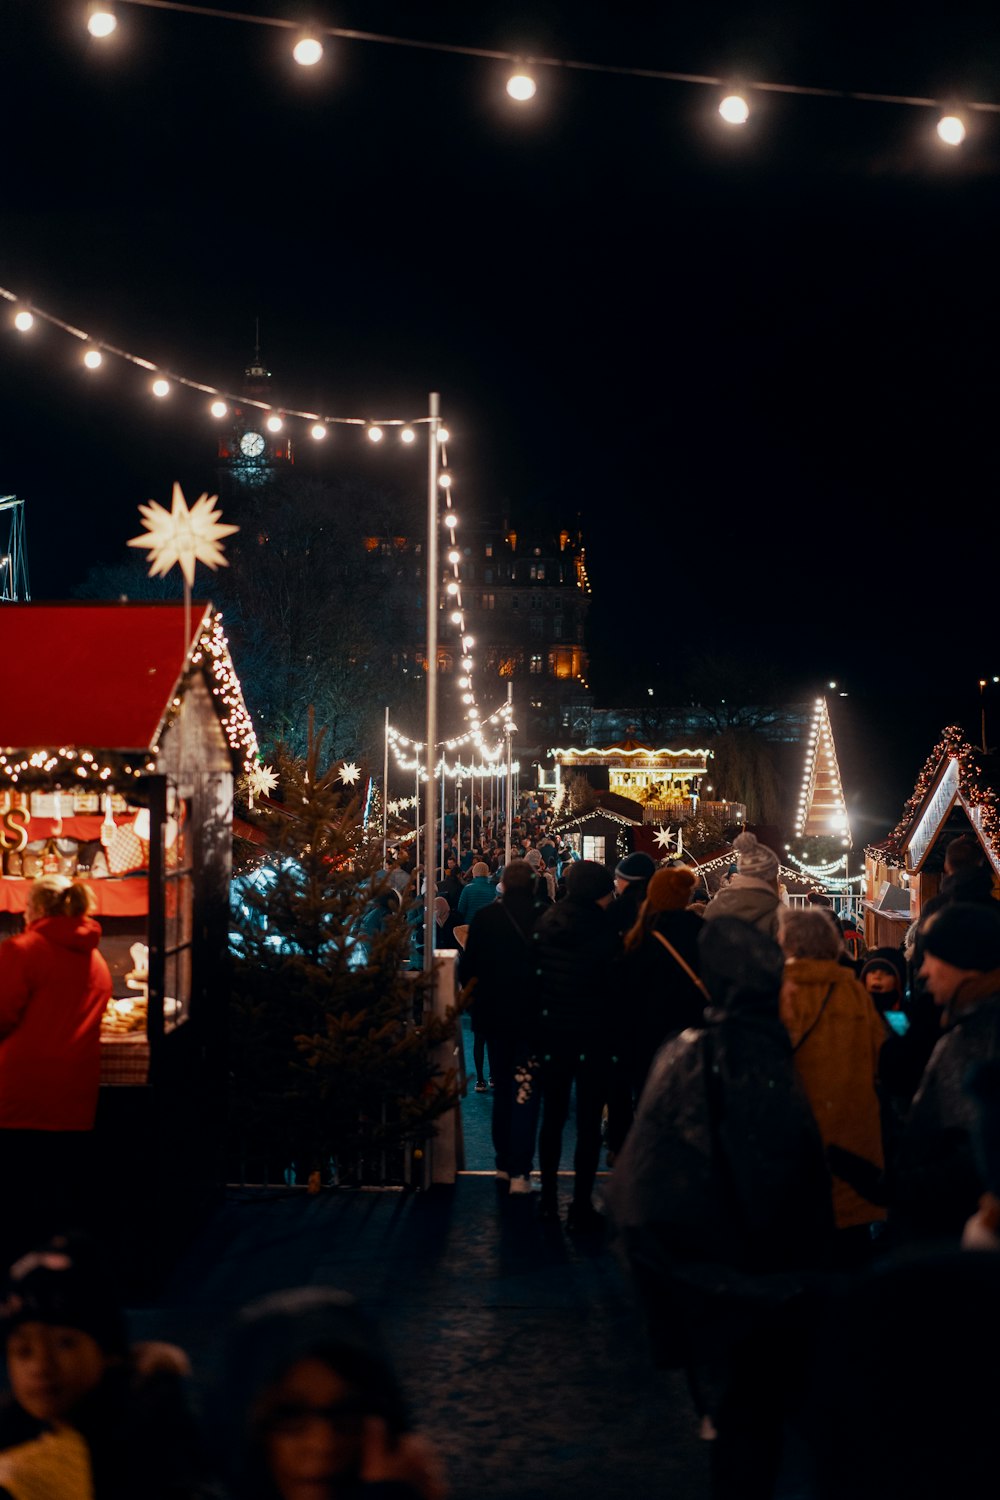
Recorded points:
(121, 729)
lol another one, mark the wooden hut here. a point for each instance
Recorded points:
(121, 729)
(953, 796)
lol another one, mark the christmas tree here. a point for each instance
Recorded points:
(335, 1060)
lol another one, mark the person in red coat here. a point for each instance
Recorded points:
(54, 989)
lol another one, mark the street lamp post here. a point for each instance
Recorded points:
(431, 732)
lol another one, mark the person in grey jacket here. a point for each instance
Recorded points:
(752, 893)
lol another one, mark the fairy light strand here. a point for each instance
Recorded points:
(524, 62)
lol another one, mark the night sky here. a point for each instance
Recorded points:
(759, 366)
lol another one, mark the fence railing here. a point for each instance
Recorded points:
(846, 906)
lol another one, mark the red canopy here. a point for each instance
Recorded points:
(95, 675)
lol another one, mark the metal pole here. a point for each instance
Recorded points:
(441, 858)
(982, 709)
(432, 586)
(385, 790)
(510, 756)
(416, 812)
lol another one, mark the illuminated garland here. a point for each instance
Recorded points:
(521, 86)
(980, 800)
(821, 756)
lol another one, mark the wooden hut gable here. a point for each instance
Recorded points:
(952, 776)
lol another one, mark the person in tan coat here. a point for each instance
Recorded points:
(836, 1036)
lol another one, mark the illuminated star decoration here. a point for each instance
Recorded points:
(664, 837)
(183, 536)
(263, 780)
(349, 773)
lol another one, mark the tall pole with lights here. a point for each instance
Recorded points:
(431, 731)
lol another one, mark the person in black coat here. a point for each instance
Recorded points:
(498, 961)
(575, 944)
(721, 1201)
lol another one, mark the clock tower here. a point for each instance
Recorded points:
(250, 450)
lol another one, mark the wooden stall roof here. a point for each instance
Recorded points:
(955, 772)
(90, 674)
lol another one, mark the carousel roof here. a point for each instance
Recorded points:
(98, 675)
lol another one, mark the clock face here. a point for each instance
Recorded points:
(251, 444)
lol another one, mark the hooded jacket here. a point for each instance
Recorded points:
(837, 1034)
(749, 898)
(54, 989)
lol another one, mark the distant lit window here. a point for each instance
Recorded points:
(535, 664)
(487, 601)
(489, 551)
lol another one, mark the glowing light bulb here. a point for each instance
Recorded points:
(23, 320)
(951, 130)
(456, 617)
(453, 588)
(444, 480)
(274, 423)
(407, 435)
(454, 557)
(734, 109)
(317, 431)
(93, 359)
(307, 51)
(375, 434)
(444, 435)
(102, 21)
(451, 519)
(521, 86)
(468, 643)
(161, 388)
(218, 409)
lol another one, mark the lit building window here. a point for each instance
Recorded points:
(535, 664)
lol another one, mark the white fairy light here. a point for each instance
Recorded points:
(443, 435)
(317, 431)
(407, 435)
(451, 519)
(218, 409)
(951, 130)
(375, 434)
(101, 21)
(23, 320)
(734, 109)
(521, 86)
(274, 423)
(161, 388)
(93, 359)
(444, 480)
(307, 51)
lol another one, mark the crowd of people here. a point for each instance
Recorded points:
(804, 1172)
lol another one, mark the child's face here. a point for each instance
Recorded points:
(315, 1433)
(52, 1368)
(880, 982)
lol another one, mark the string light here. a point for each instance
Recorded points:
(101, 21)
(274, 424)
(734, 109)
(160, 388)
(93, 359)
(951, 130)
(979, 801)
(219, 409)
(407, 435)
(23, 320)
(375, 434)
(520, 84)
(317, 431)
(307, 51)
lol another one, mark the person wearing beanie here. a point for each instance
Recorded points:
(309, 1404)
(937, 1182)
(632, 877)
(837, 1036)
(575, 943)
(83, 1402)
(752, 893)
(883, 975)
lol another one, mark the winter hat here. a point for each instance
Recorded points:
(636, 866)
(65, 1285)
(966, 935)
(670, 889)
(480, 870)
(586, 880)
(754, 858)
(890, 959)
(534, 859)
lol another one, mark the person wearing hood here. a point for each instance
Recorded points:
(752, 893)
(309, 1405)
(720, 1199)
(54, 989)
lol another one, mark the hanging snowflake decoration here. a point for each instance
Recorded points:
(349, 773)
(664, 838)
(182, 535)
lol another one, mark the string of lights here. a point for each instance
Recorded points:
(522, 70)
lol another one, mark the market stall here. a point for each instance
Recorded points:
(121, 731)
(953, 796)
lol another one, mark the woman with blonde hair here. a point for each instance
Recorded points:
(54, 989)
